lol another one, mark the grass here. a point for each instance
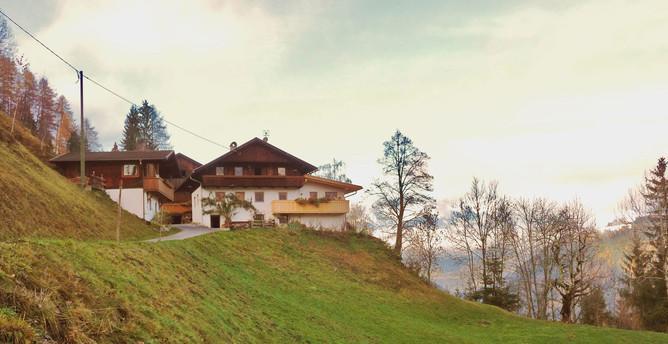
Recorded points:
(36, 201)
(255, 286)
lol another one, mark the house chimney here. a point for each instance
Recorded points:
(233, 145)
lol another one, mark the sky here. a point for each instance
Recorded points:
(557, 99)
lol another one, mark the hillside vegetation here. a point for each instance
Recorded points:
(258, 286)
(36, 201)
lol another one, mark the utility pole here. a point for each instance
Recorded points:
(82, 137)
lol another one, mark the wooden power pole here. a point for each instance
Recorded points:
(82, 137)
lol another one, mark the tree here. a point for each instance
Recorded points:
(334, 170)
(402, 193)
(574, 254)
(46, 112)
(477, 230)
(359, 219)
(593, 308)
(91, 143)
(131, 130)
(225, 205)
(152, 128)
(27, 100)
(8, 84)
(531, 240)
(7, 44)
(425, 243)
(647, 263)
(64, 127)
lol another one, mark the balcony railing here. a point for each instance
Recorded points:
(253, 181)
(158, 185)
(294, 207)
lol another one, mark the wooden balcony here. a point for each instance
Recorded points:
(293, 207)
(159, 186)
(253, 181)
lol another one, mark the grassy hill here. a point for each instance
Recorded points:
(37, 201)
(251, 286)
(61, 281)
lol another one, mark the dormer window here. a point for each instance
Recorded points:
(281, 171)
(238, 171)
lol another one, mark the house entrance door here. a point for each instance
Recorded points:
(215, 221)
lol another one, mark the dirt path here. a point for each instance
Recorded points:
(187, 231)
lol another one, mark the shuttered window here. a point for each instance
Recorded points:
(259, 196)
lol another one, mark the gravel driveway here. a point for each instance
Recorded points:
(187, 231)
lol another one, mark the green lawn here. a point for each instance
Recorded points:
(253, 286)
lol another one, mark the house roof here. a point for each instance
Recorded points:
(256, 141)
(115, 156)
(185, 157)
(348, 187)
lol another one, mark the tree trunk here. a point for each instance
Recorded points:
(399, 239)
(566, 308)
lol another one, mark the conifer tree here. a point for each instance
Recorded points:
(45, 114)
(131, 130)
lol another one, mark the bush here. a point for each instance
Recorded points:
(13, 329)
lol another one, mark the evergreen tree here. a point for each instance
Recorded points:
(146, 124)
(92, 141)
(27, 100)
(131, 130)
(152, 127)
(64, 127)
(594, 311)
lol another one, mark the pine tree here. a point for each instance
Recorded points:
(131, 130)
(152, 128)
(92, 140)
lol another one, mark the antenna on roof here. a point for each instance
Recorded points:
(265, 135)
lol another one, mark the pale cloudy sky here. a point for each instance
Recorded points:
(560, 99)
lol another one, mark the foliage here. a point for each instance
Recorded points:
(593, 308)
(646, 266)
(334, 170)
(425, 244)
(225, 206)
(312, 201)
(403, 192)
(255, 286)
(144, 125)
(359, 220)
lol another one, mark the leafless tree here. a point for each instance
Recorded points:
(532, 238)
(403, 191)
(574, 254)
(359, 219)
(425, 244)
(478, 228)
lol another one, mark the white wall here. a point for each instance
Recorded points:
(316, 221)
(132, 200)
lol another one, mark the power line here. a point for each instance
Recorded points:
(102, 86)
(38, 41)
(167, 121)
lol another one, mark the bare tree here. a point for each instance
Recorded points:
(480, 227)
(359, 220)
(426, 242)
(402, 193)
(531, 240)
(574, 253)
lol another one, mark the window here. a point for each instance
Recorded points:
(220, 171)
(259, 196)
(220, 196)
(313, 195)
(129, 170)
(281, 171)
(258, 171)
(240, 195)
(331, 195)
(282, 195)
(238, 171)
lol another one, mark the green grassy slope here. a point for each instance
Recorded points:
(36, 201)
(252, 286)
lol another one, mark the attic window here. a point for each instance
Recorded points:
(238, 171)
(281, 171)
(220, 171)
(129, 170)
